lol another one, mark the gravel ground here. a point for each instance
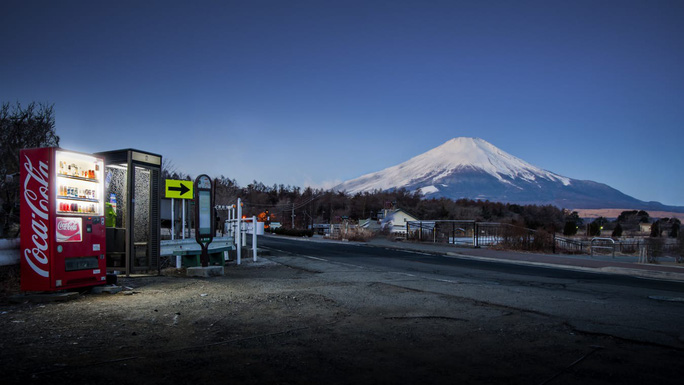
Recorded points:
(269, 323)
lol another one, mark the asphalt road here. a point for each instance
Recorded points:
(635, 309)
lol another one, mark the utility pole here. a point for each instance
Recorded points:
(293, 215)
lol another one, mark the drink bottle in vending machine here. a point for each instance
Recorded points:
(62, 220)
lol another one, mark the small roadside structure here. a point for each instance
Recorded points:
(395, 220)
(132, 183)
(645, 228)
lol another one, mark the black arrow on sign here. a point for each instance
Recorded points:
(182, 188)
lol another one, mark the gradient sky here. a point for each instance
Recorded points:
(317, 92)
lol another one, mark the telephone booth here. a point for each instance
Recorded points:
(132, 210)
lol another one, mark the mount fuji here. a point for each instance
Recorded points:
(472, 168)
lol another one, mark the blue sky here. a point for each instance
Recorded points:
(314, 92)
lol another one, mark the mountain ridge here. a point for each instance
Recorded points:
(473, 168)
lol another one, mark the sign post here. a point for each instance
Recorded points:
(178, 189)
(204, 218)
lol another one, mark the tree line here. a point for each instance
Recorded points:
(296, 207)
(300, 208)
(628, 222)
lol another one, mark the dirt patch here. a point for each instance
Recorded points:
(273, 324)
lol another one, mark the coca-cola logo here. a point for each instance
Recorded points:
(67, 226)
(36, 197)
(68, 229)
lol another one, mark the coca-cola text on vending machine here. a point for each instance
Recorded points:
(62, 221)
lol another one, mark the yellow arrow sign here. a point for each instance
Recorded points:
(178, 189)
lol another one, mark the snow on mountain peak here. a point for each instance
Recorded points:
(471, 168)
(480, 154)
(458, 154)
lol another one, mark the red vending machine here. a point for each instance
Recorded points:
(62, 220)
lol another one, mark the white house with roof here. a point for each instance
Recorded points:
(393, 220)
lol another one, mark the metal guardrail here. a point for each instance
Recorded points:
(605, 241)
(9, 251)
(569, 245)
(169, 246)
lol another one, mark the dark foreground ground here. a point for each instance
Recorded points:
(267, 323)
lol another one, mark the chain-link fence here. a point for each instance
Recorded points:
(470, 233)
(478, 234)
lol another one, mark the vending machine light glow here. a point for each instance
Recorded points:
(62, 220)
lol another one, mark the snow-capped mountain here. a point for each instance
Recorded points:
(475, 169)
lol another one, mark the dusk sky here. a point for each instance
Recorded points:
(318, 92)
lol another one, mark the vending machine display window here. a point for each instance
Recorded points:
(79, 187)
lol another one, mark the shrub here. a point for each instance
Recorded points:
(617, 232)
(654, 247)
(570, 228)
(355, 234)
(594, 229)
(515, 238)
(542, 241)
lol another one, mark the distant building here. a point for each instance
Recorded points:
(393, 220)
(370, 224)
(645, 227)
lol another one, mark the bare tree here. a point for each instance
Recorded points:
(30, 127)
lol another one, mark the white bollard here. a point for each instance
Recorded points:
(254, 238)
(239, 233)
